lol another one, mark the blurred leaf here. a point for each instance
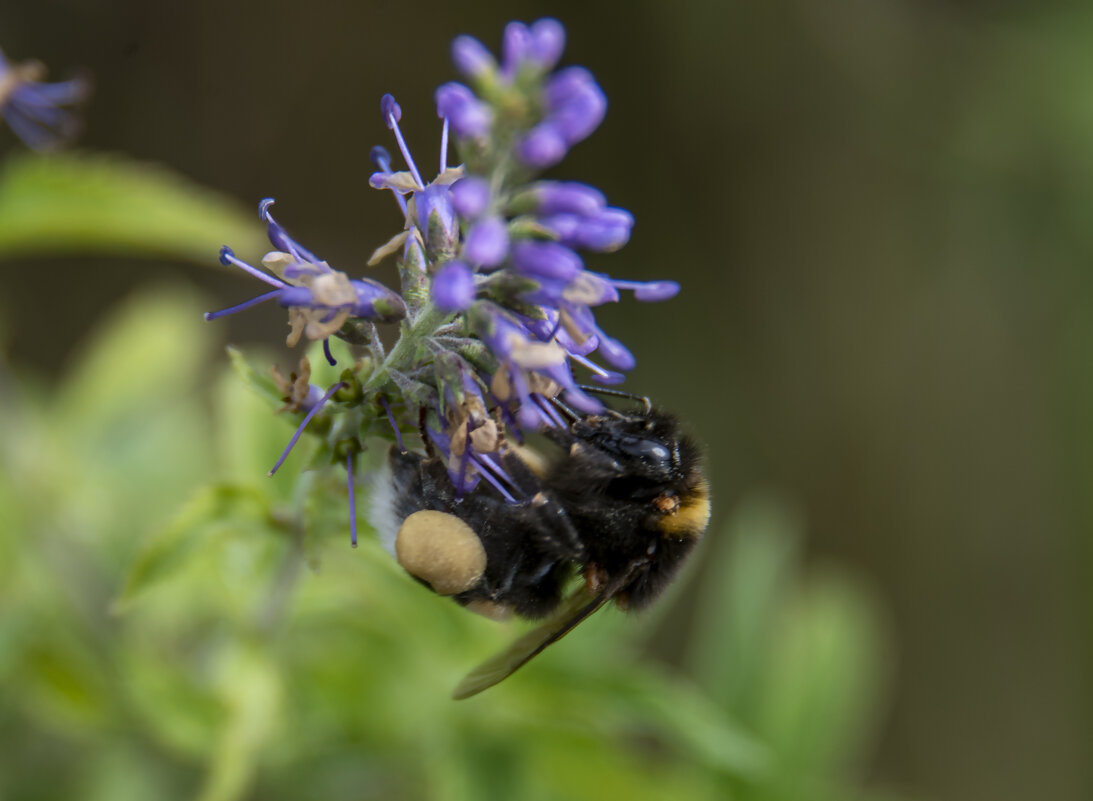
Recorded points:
(251, 691)
(250, 436)
(749, 571)
(81, 203)
(696, 727)
(259, 381)
(151, 349)
(168, 551)
(823, 678)
(63, 684)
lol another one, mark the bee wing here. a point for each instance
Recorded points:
(574, 609)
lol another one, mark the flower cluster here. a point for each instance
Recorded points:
(39, 113)
(496, 306)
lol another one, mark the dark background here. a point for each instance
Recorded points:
(880, 212)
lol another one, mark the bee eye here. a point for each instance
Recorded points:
(646, 450)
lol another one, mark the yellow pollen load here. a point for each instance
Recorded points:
(692, 516)
(441, 550)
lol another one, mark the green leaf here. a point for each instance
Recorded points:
(168, 551)
(696, 727)
(251, 689)
(824, 677)
(259, 381)
(750, 569)
(90, 203)
(151, 349)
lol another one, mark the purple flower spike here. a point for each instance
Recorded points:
(544, 146)
(453, 287)
(487, 242)
(547, 43)
(547, 260)
(470, 196)
(469, 116)
(472, 58)
(391, 110)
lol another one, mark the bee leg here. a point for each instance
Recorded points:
(556, 533)
(565, 409)
(618, 393)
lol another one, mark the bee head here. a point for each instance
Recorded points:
(644, 447)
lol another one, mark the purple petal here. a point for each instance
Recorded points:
(515, 47)
(568, 197)
(468, 115)
(580, 114)
(470, 196)
(547, 42)
(546, 259)
(471, 57)
(453, 287)
(295, 296)
(279, 237)
(616, 354)
(606, 232)
(543, 146)
(377, 302)
(62, 93)
(437, 217)
(487, 242)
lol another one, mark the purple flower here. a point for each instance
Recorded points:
(604, 231)
(547, 43)
(468, 115)
(437, 218)
(320, 299)
(544, 146)
(471, 196)
(527, 361)
(472, 58)
(575, 103)
(567, 197)
(453, 287)
(487, 242)
(40, 113)
(546, 260)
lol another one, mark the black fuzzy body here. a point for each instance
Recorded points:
(594, 510)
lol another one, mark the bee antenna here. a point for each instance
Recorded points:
(618, 393)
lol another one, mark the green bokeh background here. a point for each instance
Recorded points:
(880, 213)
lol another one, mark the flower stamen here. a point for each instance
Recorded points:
(391, 115)
(303, 424)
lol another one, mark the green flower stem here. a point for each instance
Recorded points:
(405, 352)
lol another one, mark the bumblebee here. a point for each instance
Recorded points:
(622, 504)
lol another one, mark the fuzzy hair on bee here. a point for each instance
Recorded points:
(621, 504)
